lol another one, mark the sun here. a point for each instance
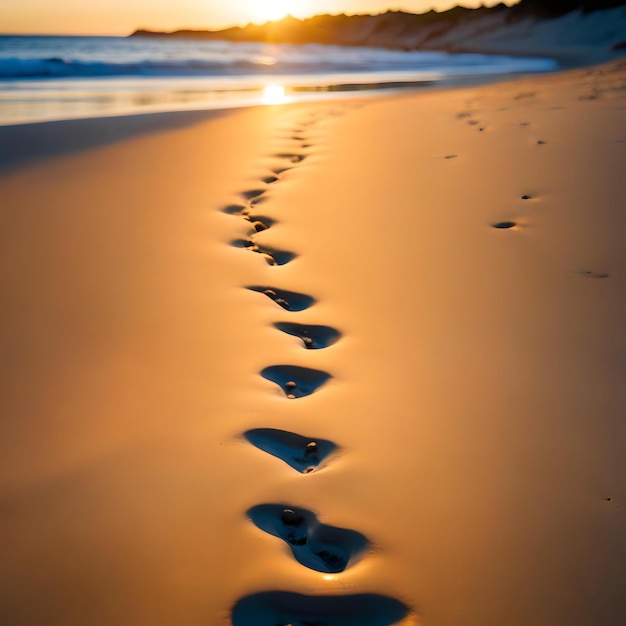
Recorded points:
(274, 9)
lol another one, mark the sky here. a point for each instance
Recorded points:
(121, 17)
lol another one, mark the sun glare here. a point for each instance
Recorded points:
(274, 9)
(274, 94)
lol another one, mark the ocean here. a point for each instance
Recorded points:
(52, 78)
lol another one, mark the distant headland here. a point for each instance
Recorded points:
(575, 31)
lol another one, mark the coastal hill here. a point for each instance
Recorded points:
(572, 30)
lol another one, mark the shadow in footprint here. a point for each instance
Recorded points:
(296, 382)
(289, 300)
(274, 256)
(313, 337)
(268, 180)
(252, 194)
(590, 274)
(304, 454)
(504, 225)
(242, 243)
(271, 255)
(282, 608)
(294, 158)
(260, 222)
(315, 545)
(235, 209)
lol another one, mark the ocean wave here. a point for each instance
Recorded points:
(15, 68)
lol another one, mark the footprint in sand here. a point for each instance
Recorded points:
(315, 545)
(504, 225)
(313, 337)
(293, 157)
(272, 256)
(237, 210)
(304, 454)
(282, 608)
(252, 194)
(296, 382)
(288, 300)
(259, 223)
(589, 274)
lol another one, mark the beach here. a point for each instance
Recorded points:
(181, 443)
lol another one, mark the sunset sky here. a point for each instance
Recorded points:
(120, 17)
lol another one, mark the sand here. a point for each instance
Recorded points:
(453, 453)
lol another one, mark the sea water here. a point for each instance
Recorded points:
(51, 78)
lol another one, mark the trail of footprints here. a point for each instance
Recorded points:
(469, 116)
(314, 544)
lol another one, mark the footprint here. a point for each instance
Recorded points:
(271, 255)
(589, 274)
(243, 243)
(304, 454)
(503, 225)
(296, 382)
(274, 256)
(280, 170)
(294, 158)
(260, 222)
(282, 608)
(252, 194)
(313, 337)
(235, 209)
(289, 300)
(268, 180)
(315, 545)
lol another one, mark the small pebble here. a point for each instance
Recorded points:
(541, 142)
(282, 302)
(270, 292)
(311, 448)
(259, 226)
(527, 197)
(290, 385)
(308, 342)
